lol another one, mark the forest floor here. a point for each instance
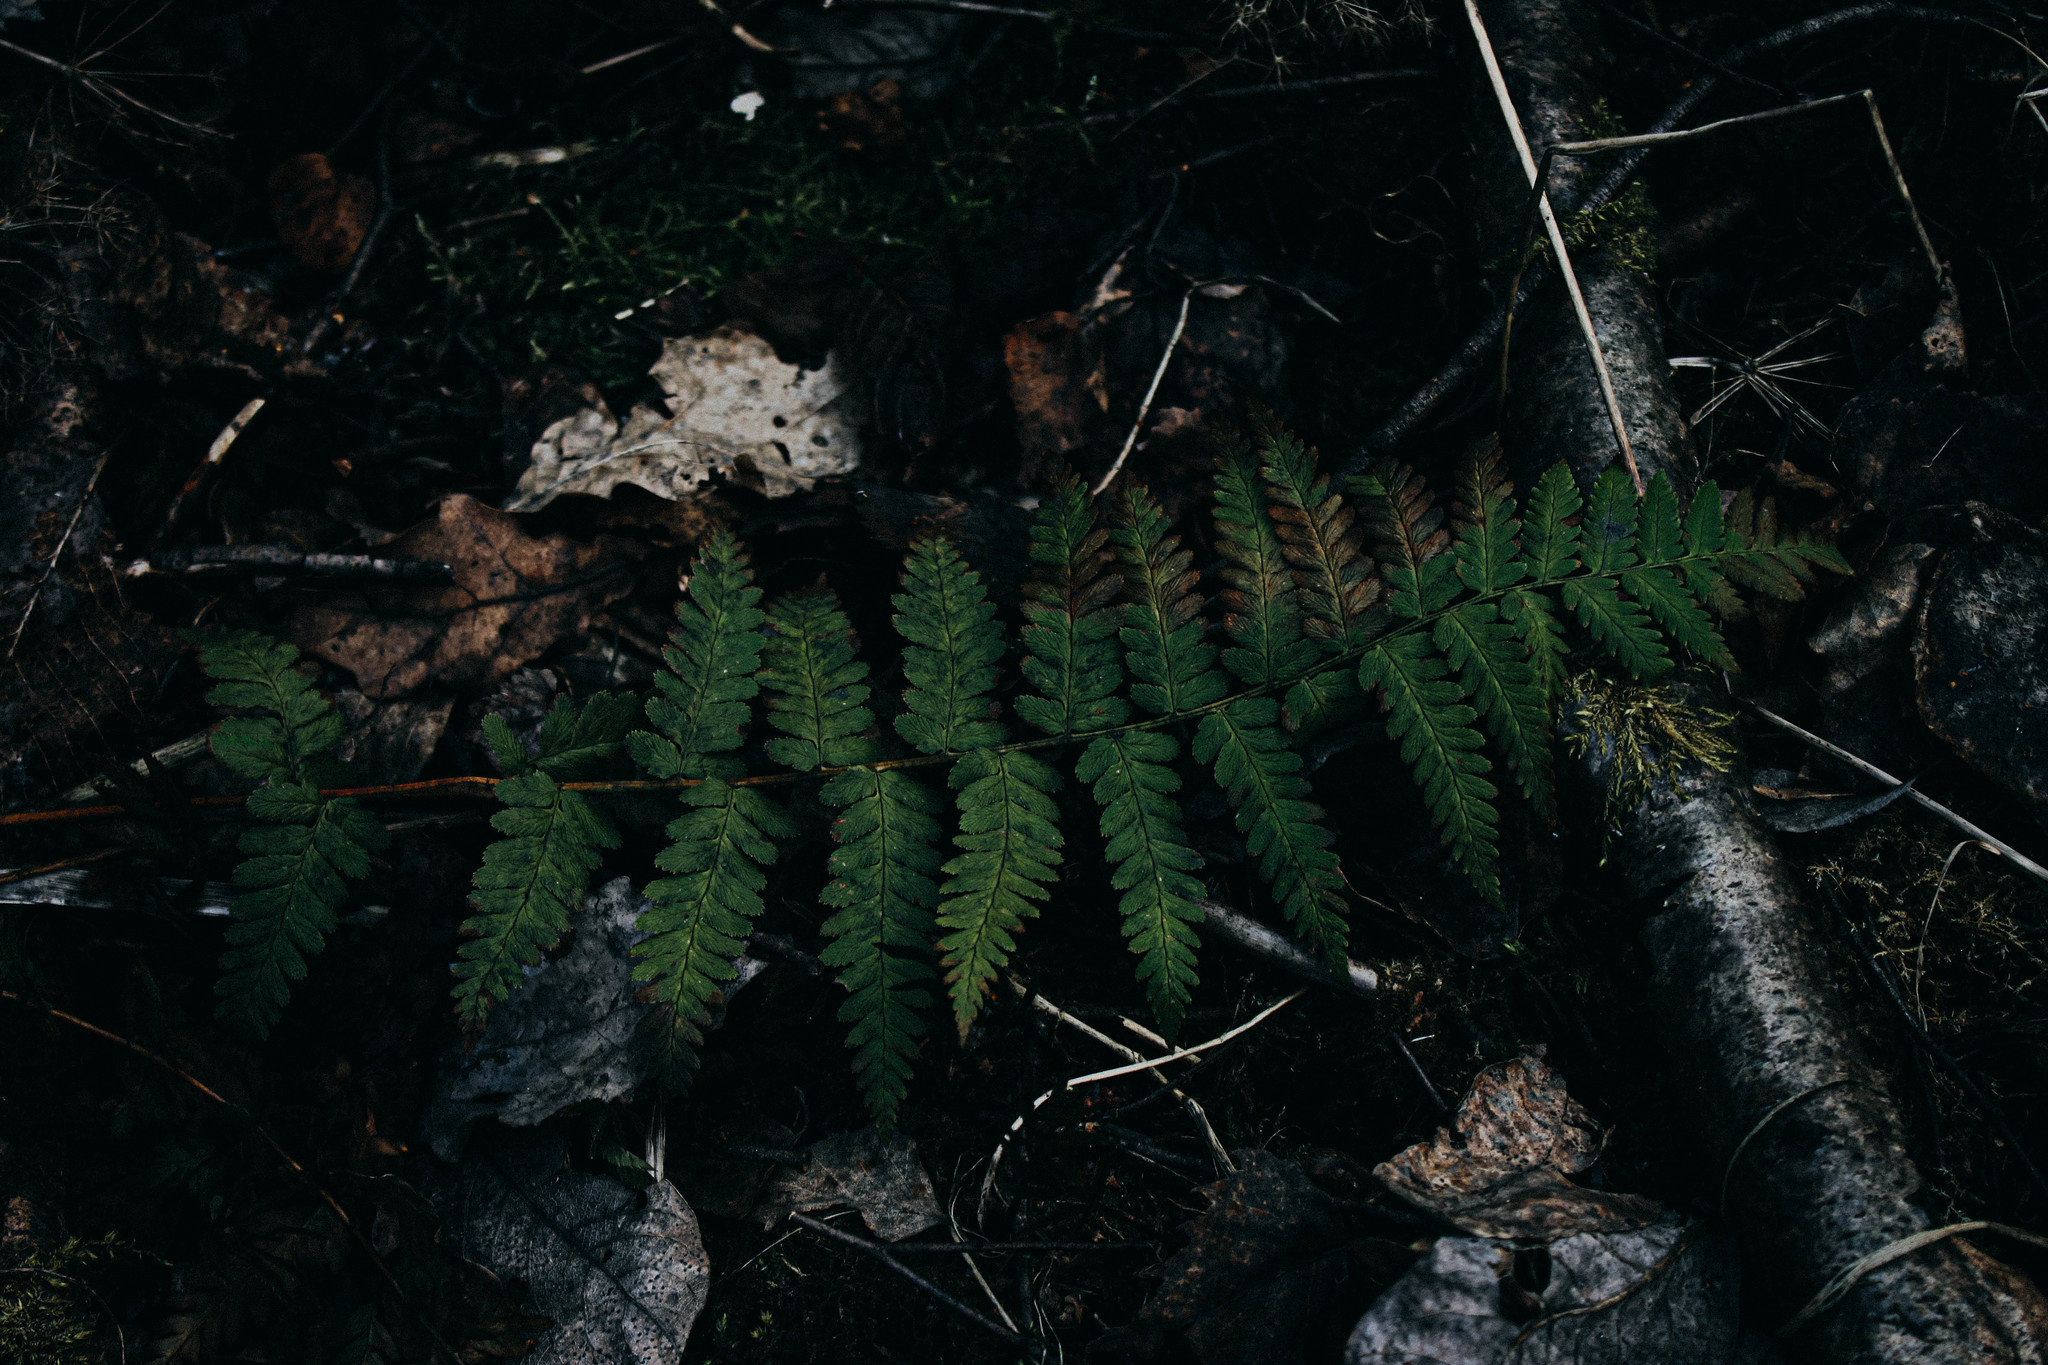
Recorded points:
(299, 298)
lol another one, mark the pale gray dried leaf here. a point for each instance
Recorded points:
(881, 1179)
(1871, 616)
(734, 409)
(1665, 1293)
(390, 742)
(622, 1272)
(570, 1033)
(1504, 1174)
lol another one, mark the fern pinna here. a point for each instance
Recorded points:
(1461, 626)
(307, 844)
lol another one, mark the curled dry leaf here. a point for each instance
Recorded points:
(733, 409)
(1505, 1172)
(880, 1177)
(513, 597)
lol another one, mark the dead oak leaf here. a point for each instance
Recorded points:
(514, 596)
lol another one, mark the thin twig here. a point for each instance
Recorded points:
(1870, 770)
(1145, 408)
(1429, 1088)
(1838, 1288)
(1179, 1053)
(882, 1254)
(215, 453)
(1557, 246)
(1188, 1102)
(36, 594)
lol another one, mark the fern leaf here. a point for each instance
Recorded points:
(699, 918)
(881, 937)
(1322, 543)
(1607, 535)
(1659, 533)
(1757, 555)
(1261, 774)
(1153, 865)
(306, 846)
(296, 874)
(534, 878)
(1704, 536)
(1320, 700)
(255, 672)
(1261, 614)
(701, 709)
(1406, 528)
(1550, 535)
(950, 661)
(1618, 624)
(1492, 664)
(1484, 526)
(1171, 664)
(1534, 616)
(809, 661)
(1434, 729)
(1009, 843)
(1070, 621)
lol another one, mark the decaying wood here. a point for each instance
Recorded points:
(1749, 1008)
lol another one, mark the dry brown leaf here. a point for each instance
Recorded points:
(1056, 386)
(1505, 1172)
(513, 597)
(322, 215)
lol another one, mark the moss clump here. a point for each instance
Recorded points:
(1625, 227)
(49, 1312)
(1644, 734)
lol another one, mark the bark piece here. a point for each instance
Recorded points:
(1506, 1172)
(514, 597)
(322, 215)
(1981, 663)
(1740, 974)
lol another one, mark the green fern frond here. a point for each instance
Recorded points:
(1070, 621)
(950, 661)
(1484, 527)
(881, 937)
(1493, 666)
(306, 846)
(1322, 542)
(255, 672)
(535, 877)
(1261, 774)
(1172, 665)
(1434, 729)
(697, 921)
(1406, 527)
(297, 873)
(1607, 547)
(1009, 843)
(810, 663)
(700, 710)
(699, 918)
(1758, 555)
(1550, 529)
(1261, 613)
(1152, 863)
